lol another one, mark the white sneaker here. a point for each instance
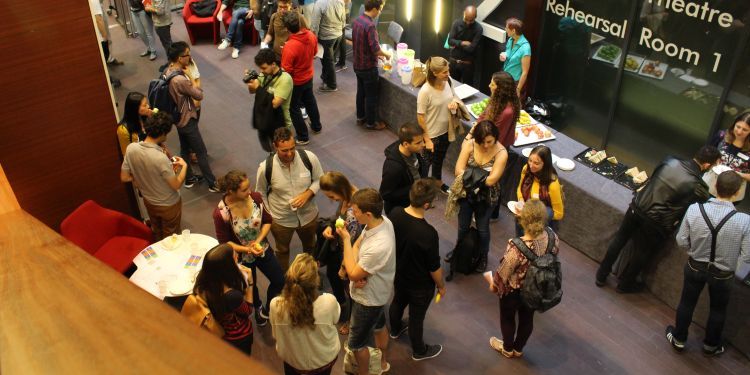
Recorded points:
(224, 44)
(235, 53)
(304, 112)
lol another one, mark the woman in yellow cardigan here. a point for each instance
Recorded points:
(130, 129)
(539, 181)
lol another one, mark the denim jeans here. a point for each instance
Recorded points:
(144, 26)
(258, 24)
(270, 267)
(718, 293)
(328, 73)
(191, 139)
(367, 95)
(236, 27)
(418, 300)
(303, 96)
(365, 321)
(515, 335)
(481, 213)
(436, 157)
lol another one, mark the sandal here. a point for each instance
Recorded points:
(344, 329)
(386, 368)
(497, 344)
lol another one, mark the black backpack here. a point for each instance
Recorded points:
(267, 9)
(542, 287)
(466, 255)
(159, 96)
(203, 8)
(269, 168)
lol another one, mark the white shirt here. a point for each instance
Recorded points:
(377, 256)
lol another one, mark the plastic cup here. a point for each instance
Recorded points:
(186, 235)
(291, 205)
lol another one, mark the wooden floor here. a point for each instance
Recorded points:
(593, 331)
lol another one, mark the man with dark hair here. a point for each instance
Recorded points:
(464, 39)
(370, 265)
(277, 34)
(717, 238)
(184, 93)
(655, 212)
(273, 91)
(327, 21)
(297, 60)
(402, 166)
(366, 47)
(288, 189)
(146, 163)
(417, 268)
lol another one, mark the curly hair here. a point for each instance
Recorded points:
(158, 124)
(232, 180)
(504, 94)
(533, 218)
(300, 291)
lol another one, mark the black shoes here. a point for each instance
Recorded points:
(445, 189)
(397, 334)
(261, 317)
(712, 351)
(431, 352)
(192, 180)
(676, 345)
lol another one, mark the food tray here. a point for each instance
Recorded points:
(464, 91)
(471, 110)
(581, 158)
(662, 66)
(627, 181)
(609, 170)
(522, 139)
(605, 59)
(637, 59)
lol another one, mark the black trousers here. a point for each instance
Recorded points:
(719, 290)
(647, 239)
(515, 335)
(418, 301)
(462, 72)
(436, 158)
(328, 73)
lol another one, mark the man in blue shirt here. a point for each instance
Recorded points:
(717, 237)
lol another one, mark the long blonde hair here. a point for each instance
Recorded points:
(300, 291)
(435, 65)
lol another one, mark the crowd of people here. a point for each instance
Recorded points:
(380, 253)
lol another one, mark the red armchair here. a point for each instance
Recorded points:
(249, 33)
(110, 236)
(201, 26)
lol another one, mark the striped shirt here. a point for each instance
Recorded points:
(236, 321)
(365, 43)
(733, 242)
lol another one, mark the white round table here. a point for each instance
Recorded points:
(168, 268)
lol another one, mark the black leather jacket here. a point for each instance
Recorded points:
(674, 185)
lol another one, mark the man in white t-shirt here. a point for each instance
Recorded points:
(371, 267)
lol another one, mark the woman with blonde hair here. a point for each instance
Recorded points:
(508, 279)
(435, 102)
(303, 321)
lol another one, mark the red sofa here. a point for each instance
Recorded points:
(201, 26)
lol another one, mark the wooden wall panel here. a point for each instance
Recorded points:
(57, 124)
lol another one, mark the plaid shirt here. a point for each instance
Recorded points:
(365, 43)
(732, 244)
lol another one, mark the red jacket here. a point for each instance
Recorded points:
(298, 55)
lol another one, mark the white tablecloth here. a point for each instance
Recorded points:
(174, 265)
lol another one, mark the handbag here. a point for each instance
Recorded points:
(196, 311)
(350, 362)
(418, 76)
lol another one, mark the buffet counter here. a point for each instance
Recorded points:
(594, 208)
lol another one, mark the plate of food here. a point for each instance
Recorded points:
(610, 167)
(528, 134)
(653, 69)
(524, 118)
(633, 63)
(180, 287)
(608, 53)
(172, 242)
(591, 157)
(632, 179)
(515, 207)
(477, 108)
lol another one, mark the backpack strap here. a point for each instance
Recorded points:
(269, 167)
(550, 239)
(521, 246)
(714, 231)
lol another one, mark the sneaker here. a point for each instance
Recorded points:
(304, 112)
(445, 188)
(260, 321)
(712, 351)
(263, 312)
(235, 53)
(340, 68)
(191, 181)
(431, 352)
(601, 278)
(145, 53)
(397, 334)
(600, 282)
(497, 345)
(302, 143)
(152, 56)
(676, 345)
(214, 189)
(224, 44)
(326, 88)
(375, 126)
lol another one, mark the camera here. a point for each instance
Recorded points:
(251, 75)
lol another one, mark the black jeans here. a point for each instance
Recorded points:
(303, 96)
(463, 73)
(191, 140)
(435, 158)
(418, 301)
(515, 336)
(165, 37)
(647, 238)
(270, 267)
(328, 74)
(367, 95)
(341, 51)
(718, 293)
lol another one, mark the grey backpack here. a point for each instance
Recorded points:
(542, 287)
